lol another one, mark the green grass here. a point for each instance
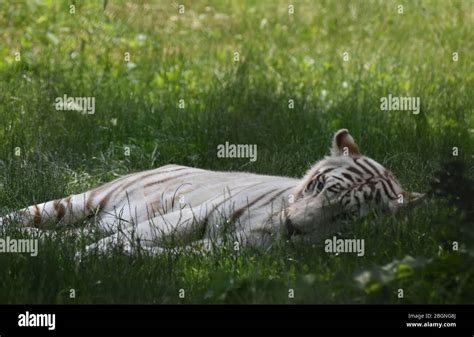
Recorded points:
(281, 57)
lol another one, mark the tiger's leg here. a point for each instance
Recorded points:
(181, 226)
(237, 243)
(155, 243)
(203, 246)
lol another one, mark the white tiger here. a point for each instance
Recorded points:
(190, 205)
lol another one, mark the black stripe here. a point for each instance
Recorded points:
(205, 221)
(356, 171)
(386, 190)
(372, 166)
(327, 170)
(347, 176)
(238, 213)
(276, 196)
(345, 194)
(363, 167)
(391, 186)
(332, 189)
(167, 179)
(348, 201)
(391, 189)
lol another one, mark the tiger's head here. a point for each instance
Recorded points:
(343, 185)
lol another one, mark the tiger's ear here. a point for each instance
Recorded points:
(343, 144)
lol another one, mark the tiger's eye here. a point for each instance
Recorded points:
(319, 186)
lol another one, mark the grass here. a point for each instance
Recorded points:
(282, 57)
